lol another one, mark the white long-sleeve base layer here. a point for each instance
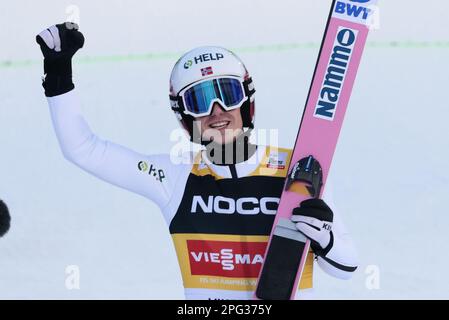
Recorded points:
(219, 217)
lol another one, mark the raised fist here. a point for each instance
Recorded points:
(58, 45)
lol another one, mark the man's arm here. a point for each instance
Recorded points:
(330, 241)
(341, 259)
(151, 176)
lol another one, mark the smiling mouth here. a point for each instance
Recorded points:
(220, 124)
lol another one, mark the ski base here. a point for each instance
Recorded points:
(278, 276)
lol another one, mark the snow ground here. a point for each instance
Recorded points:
(390, 170)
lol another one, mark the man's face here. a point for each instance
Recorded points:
(220, 126)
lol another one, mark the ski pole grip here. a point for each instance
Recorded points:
(307, 170)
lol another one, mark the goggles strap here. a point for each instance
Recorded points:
(249, 87)
(178, 105)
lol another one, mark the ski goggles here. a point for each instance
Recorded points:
(198, 99)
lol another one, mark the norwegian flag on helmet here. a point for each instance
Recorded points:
(206, 71)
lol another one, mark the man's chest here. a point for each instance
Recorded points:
(244, 206)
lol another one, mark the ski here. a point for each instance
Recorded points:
(332, 82)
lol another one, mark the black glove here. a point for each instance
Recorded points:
(5, 219)
(314, 219)
(58, 44)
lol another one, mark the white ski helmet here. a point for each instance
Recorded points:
(200, 65)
